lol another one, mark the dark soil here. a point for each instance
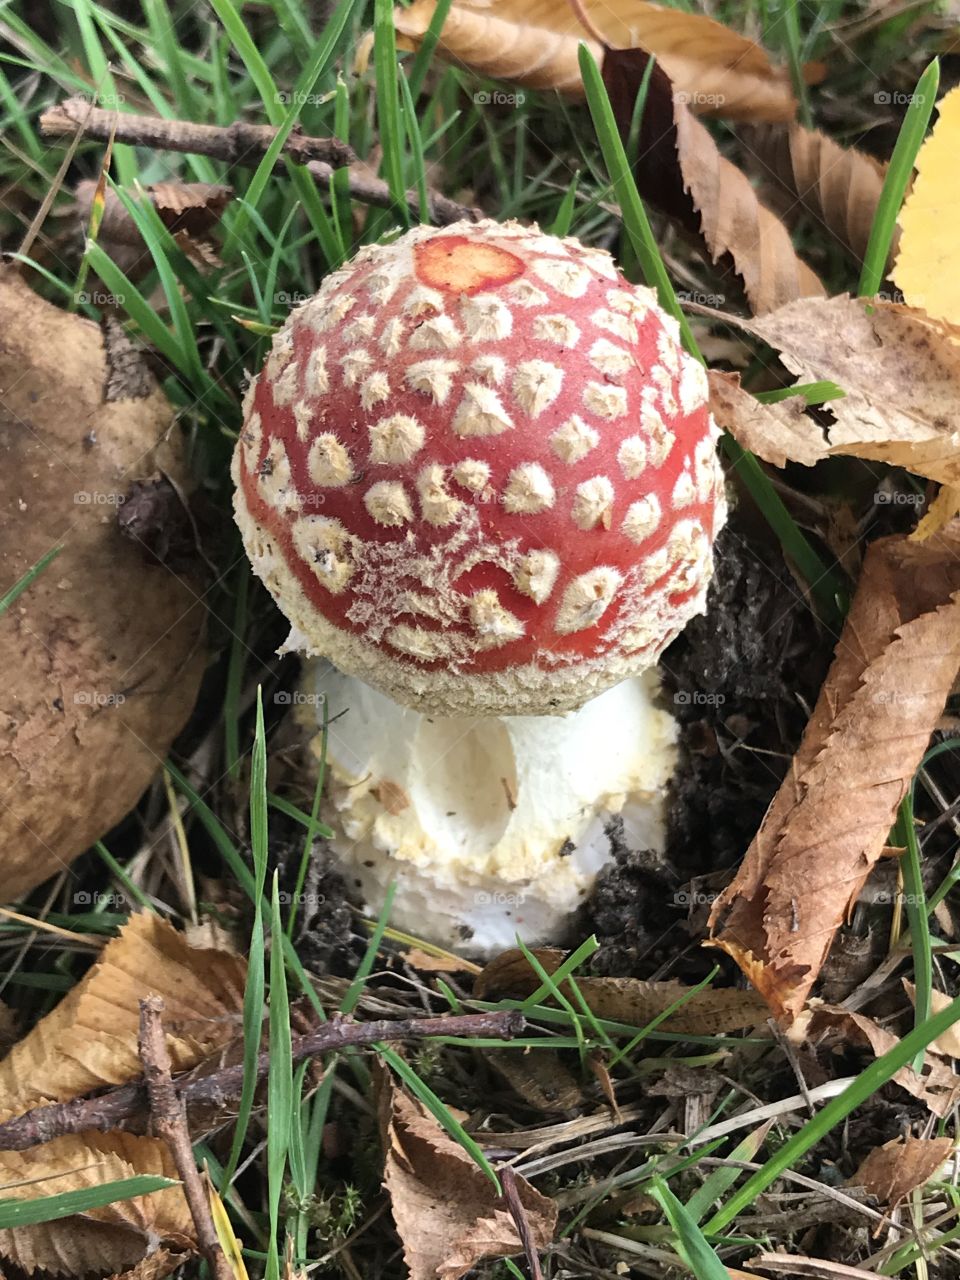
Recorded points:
(740, 682)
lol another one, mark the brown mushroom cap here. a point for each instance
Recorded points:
(104, 651)
(479, 472)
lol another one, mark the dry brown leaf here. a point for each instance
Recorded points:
(155, 1266)
(949, 1043)
(900, 371)
(632, 1000)
(895, 664)
(539, 1077)
(779, 433)
(892, 1171)
(90, 1039)
(680, 170)
(193, 207)
(795, 1264)
(112, 1238)
(832, 1026)
(446, 962)
(446, 1210)
(839, 186)
(533, 44)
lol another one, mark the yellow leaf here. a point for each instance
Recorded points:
(533, 44)
(232, 1249)
(928, 265)
(944, 507)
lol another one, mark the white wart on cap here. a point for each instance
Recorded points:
(479, 472)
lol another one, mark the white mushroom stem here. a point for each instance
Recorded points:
(491, 826)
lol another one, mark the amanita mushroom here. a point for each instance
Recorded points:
(478, 473)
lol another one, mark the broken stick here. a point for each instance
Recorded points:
(129, 1102)
(243, 144)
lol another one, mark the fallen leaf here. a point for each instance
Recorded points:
(441, 962)
(539, 1077)
(679, 169)
(192, 207)
(899, 369)
(90, 1039)
(944, 508)
(155, 1266)
(839, 186)
(832, 1026)
(112, 1238)
(900, 1166)
(779, 433)
(107, 648)
(446, 1210)
(949, 1043)
(795, 1264)
(895, 664)
(927, 269)
(713, 1011)
(533, 44)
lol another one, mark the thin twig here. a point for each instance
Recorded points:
(243, 144)
(129, 1102)
(237, 143)
(169, 1118)
(518, 1213)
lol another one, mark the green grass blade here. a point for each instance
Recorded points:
(791, 29)
(564, 218)
(388, 105)
(135, 892)
(549, 983)
(304, 87)
(424, 55)
(315, 828)
(813, 393)
(898, 175)
(719, 1182)
(132, 301)
(415, 140)
(30, 576)
(827, 590)
(235, 669)
(691, 1242)
(104, 84)
(251, 58)
(635, 220)
(258, 804)
(164, 42)
(253, 995)
(917, 917)
(27, 1213)
(293, 23)
(281, 1098)
(365, 968)
(662, 1017)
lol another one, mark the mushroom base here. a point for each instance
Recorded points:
(490, 826)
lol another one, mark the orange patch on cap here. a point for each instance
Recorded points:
(462, 265)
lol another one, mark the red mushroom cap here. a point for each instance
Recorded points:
(479, 472)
